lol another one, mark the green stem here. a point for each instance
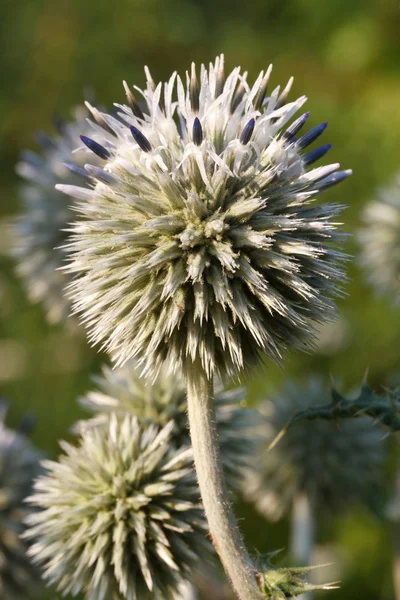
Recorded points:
(302, 534)
(224, 530)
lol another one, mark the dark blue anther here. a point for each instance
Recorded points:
(247, 132)
(295, 127)
(316, 154)
(140, 139)
(76, 169)
(95, 147)
(197, 132)
(311, 135)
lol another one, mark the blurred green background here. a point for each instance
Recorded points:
(345, 56)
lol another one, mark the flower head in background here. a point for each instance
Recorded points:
(40, 231)
(122, 391)
(334, 464)
(200, 236)
(380, 241)
(19, 465)
(120, 514)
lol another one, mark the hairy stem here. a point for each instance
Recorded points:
(224, 530)
(302, 534)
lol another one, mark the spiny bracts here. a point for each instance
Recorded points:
(200, 236)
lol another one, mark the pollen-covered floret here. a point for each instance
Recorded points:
(333, 463)
(40, 230)
(200, 236)
(123, 392)
(120, 515)
(380, 241)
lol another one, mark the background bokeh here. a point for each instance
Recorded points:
(345, 56)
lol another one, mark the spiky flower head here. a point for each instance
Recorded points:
(40, 231)
(380, 241)
(120, 514)
(334, 463)
(122, 391)
(200, 236)
(19, 465)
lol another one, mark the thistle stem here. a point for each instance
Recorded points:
(224, 530)
(302, 534)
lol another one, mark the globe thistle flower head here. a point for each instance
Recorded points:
(200, 236)
(334, 464)
(120, 514)
(123, 392)
(40, 231)
(19, 464)
(380, 241)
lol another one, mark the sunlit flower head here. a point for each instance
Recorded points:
(19, 465)
(334, 464)
(380, 241)
(40, 230)
(123, 392)
(200, 236)
(120, 516)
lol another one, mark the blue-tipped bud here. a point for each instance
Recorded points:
(311, 135)
(96, 148)
(76, 169)
(247, 132)
(197, 132)
(295, 127)
(316, 154)
(140, 139)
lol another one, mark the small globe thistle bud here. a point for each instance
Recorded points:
(40, 232)
(333, 463)
(380, 241)
(120, 514)
(19, 465)
(207, 243)
(288, 582)
(122, 391)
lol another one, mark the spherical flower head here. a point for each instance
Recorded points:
(19, 465)
(123, 392)
(200, 237)
(120, 514)
(335, 464)
(40, 231)
(380, 241)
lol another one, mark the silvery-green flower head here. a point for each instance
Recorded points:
(335, 464)
(19, 465)
(380, 241)
(120, 514)
(40, 230)
(123, 392)
(200, 237)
